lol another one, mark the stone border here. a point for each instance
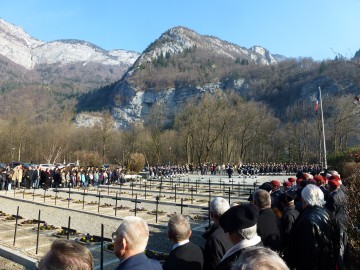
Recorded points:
(17, 257)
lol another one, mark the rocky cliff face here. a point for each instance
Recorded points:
(136, 102)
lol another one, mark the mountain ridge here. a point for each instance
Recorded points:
(21, 48)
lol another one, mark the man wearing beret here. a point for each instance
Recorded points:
(320, 182)
(288, 218)
(275, 193)
(239, 222)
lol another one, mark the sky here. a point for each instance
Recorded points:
(320, 29)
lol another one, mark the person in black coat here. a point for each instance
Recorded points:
(184, 255)
(288, 218)
(240, 224)
(268, 226)
(335, 204)
(315, 238)
(217, 241)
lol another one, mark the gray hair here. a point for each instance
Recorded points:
(259, 259)
(219, 206)
(247, 233)
(67, 255)
(178, 228)
(313, 195)
(135, 231)
(261, 198)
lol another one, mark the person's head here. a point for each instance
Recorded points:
(333, 185)
(218, 206)
(131, 237)
(319, 179)
(240, 222)
(178, 228)
(312, 195)
(259, 259)
(67, 255)
(261, 198)
(275, 185)
(285, 200)
(287, 185)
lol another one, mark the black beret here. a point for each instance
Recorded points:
(285, 198)
(266, 186)
(239, 217)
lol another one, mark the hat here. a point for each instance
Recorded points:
(291, 179)
(319, 178)
(287, 184)
(275, 183)
(299, 180)
(285, 197)
(239, 217)
(265, 186)
(334, 177)
(333, 183)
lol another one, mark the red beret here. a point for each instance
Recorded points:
(319, 178)
(334, 177)
(287, 184)
(275, 183)
(292, 179)
(333, 183)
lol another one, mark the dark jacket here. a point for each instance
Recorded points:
(325, 191)
(139, 262)
(274, 198)
(228, 262)
(287, 221)
(268, 228)
(185, 257)
(216, 245)
(314, 240)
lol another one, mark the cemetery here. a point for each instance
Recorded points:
(32, 218)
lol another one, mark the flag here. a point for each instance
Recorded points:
(317, 101)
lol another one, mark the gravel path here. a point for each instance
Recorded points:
(6, 264)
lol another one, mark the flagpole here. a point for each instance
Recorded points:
(323, 128)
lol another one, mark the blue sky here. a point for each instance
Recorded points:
(294, 28)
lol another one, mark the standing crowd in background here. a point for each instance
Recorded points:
(38, 177)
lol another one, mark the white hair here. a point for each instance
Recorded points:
(248, 233)
(313, 195)
(219, 206)
(135, 231)
(259, 258)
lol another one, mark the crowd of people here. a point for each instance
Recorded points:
(298, 224)
(38, 177)
(75, 176)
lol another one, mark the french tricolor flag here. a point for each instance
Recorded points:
(317, 102)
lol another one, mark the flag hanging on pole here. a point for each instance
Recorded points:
(317, 99)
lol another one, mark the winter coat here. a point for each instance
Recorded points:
(314, 240)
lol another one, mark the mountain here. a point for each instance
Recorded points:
(183, 65)
(54, 72)
(42, 81)
(22, 49)
(180, 64)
